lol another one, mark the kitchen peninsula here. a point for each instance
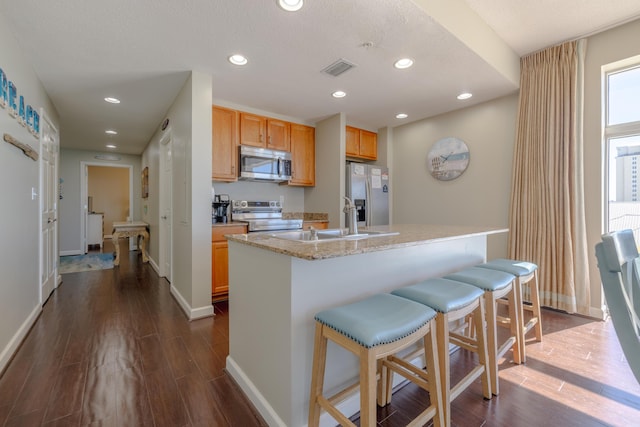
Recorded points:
(277, 286)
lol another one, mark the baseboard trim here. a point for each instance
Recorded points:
(191, 313)
(350, 405)
(153, 265)
(16, 340)
(257, 399)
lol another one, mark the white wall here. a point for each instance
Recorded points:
(71, 207)
(190, 124)
(604, 48)
(19, 221)
(481, 195)
(327, 195)
(248, 190)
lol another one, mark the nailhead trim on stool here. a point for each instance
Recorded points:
(495, 284)
(374, 329)
(526, 274)
(454, 300)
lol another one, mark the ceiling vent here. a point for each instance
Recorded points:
(338, 67)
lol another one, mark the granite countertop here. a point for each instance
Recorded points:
(408, 235)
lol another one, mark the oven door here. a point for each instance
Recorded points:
(259, 164)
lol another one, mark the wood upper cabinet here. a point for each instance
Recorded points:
(258, 131)
(224, 140)
(220, 259)
(303, 155)
(253, 130)
(353, 141)
(278, 135)
(368, 144)
(361, 143)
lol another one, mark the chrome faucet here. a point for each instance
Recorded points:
(313, 233)
(352, 217)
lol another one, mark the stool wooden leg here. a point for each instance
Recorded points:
(434, 377)
(368, 365)
(514, 323)
(442, 337)
(535, 302)
(492, 340)
(518, 301)
(482, 348)
(317, 375)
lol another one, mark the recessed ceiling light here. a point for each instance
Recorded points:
(403, 63)
(290, 5)
(339, 94)
(112, 100)
(111, 132)
(465, 95)
(111, 146)
(238, 59)
(401, 116)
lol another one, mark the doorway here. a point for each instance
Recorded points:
(49, 143)
(166, 203)
(106, 191)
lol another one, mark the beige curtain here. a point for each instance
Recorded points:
(547, 223)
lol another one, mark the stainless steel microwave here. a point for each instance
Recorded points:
(262, 164)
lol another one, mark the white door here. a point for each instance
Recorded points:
(48, 207)
(166, 201)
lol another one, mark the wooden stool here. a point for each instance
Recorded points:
(526, 274)
(496, 285)
(372, 329)
(453, 301)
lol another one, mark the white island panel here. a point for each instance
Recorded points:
(273, 298)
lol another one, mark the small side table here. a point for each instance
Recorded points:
(130, 229)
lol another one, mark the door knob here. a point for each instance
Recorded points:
(164, 217)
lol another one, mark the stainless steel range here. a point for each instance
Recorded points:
(262, 215)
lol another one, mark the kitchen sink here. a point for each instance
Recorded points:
(329, 235)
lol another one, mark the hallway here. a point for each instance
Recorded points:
(113, 348)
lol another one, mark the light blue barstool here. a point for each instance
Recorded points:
(496, 285)
(454, 301)
(373, 329)
(526, 274)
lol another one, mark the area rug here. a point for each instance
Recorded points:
(88, 262)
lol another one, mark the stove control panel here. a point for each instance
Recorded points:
(256, 206)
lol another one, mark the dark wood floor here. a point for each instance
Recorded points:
(112, 348)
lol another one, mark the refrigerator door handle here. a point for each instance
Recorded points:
(368, 205)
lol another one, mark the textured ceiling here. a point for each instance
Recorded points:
(142, 51)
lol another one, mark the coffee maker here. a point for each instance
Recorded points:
(220, 208)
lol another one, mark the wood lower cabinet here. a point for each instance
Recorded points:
(303, 155)
(224, 140)
(220, 259)
(361, 144)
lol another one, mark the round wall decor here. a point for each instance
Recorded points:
(448, 158)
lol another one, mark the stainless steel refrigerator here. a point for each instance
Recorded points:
(368, 188)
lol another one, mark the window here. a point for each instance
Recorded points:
(621, 83)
